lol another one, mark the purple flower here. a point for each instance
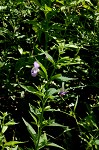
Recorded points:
(35, 69)
(36, 65)
(62, 93)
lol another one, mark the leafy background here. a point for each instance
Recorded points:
(59, 32)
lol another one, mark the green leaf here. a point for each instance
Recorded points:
(34, 118)
(20, 64)
(49, 57)
(15, 148)
(37, 3)
(64, 60)
(32, 90)
(4, 128)
(75, 104)
(34, 110)
(52, 91)
(70, 45)
(3, 7)
(44, 70)
(42, 141)
(30, 129)
(24, 62)
(20, 50)
(28, 88)
(47, 108)
(96, 142)
(54, 124)
(55, 76)
(60, 1)
(47, 9)
(10, 123)
(12, 143)
(1, 64)
(62, 78)
(55, 145)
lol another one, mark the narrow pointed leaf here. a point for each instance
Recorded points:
(62, 78)
(10, 123)
(35, 119)
(45, 75)
(57, 125)
(55, 145)
(12, 143)
(49, 57)
(32, 90)
(55, 76)
(30, 129)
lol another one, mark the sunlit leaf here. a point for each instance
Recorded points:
(10, 123)
(42, 141)
(54, 124)
(97, 142)
(47, 9)
(71, 46)
(20, 50)
(15, 148)
(4, 128)
(47, 108)
(60, 1)
(3, 7)
(12, 143)
(55, 145)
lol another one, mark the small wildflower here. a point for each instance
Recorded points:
(63, 92)
(36, 65)
(35, 69)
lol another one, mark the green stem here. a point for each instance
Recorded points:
(40, 127)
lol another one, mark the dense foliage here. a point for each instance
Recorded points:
(49, 69)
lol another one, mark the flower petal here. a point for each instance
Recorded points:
(62, 93)
(36, 65)
(34, 72)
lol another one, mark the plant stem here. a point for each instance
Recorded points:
(40, 126)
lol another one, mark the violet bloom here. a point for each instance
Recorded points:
(35, 69)
(62, 91)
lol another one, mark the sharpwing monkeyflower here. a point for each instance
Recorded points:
(36, 65)
(62, 91)
(35, 69)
